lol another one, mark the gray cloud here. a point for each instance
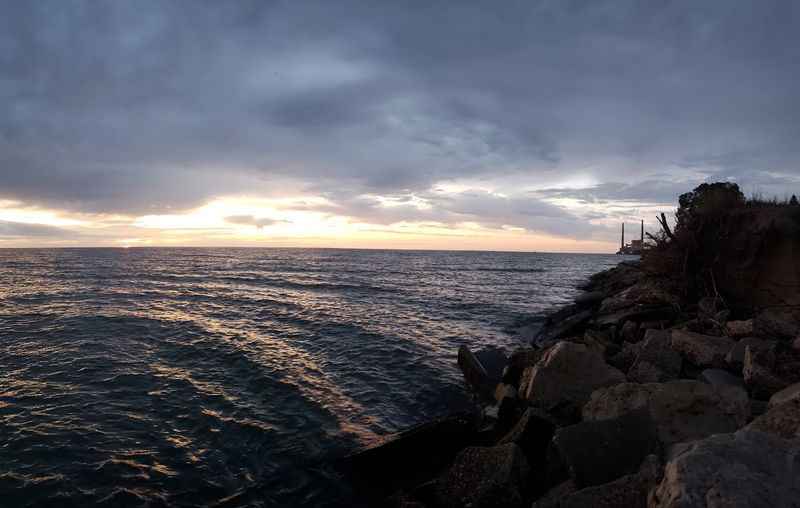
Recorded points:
(10, 229)
(144, 106)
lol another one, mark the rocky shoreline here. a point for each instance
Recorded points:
(628, 397)
(673, 381)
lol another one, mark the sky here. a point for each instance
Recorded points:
(518, 125)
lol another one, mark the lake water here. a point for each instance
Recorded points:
(232, 377)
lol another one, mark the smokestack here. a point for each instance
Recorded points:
(622, 246)
(642, 232)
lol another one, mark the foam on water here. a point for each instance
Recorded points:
(231, 377)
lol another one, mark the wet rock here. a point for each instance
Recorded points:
(566, 376)
(484, 477)
(739, 329)
(701, 350)
(590, 298)
(791, 392)
(556, 329)
(656, 361)
(719, 377)
(493, 361)
(682, 410)
(735, 357)
(600, 451)
(629, 491)
(782, 420)
(519, 360)
(474, 372)
(532, 434)
(747, 468)
(438, 441)
(776, 324)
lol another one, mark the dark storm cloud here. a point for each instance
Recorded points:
(148, 105)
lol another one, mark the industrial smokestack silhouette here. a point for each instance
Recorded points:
(642, 232)
(622, 244)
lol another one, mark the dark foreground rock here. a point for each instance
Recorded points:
(410, 458)
(782, 420)
(597, 452)
(629, 491)
(484, 477)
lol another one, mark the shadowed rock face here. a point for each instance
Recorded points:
(747, 468)
(682, 410)
(483, 477)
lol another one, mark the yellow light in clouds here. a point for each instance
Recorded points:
(12, 211)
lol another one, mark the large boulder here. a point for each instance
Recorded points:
(682, 410)
(532, 434)
(791, 392)
(566, 376)
(482, 370)
(704, 351)
(629, 491)
(747, 468)
(596, 452)
(656, 361)
(484, 477)
(735, 357)
(777, 324)
(782, 420)
(767, 371)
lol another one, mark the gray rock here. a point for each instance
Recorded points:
(735, 357)
(682, 410)
(484, 477)
(782, 420)
(494, 361)
(701, 350)
(791, 392)
(629, 491)
(719, 377)
(656, 361)
(566, 376)
(747, 468)
(596, 452)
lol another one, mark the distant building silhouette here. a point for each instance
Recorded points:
(635, 247)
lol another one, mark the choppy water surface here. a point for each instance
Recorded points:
(231, 377)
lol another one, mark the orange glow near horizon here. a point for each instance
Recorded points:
(283, 222)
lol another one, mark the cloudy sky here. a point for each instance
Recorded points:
(531, 125)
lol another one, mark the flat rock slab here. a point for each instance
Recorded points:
(719, 377)
(682, 410)
(596, 452)
(747, 468)
(484, 477)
